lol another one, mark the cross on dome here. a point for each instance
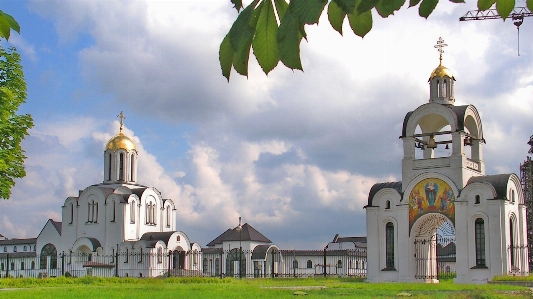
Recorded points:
(440, 44)
(122, 118)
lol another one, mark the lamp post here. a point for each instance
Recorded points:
(239, 228)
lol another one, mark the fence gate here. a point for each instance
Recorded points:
(435, 257)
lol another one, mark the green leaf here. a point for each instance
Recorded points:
(240, 36)
(307, 11)
(413, 2)
(361, 23)
(241, 31)
(289, 38)
(225, 56)
(427, 7)
(504, 7)
(348, 6)
(366, 5)
(12, 23)
(386, 8)
(485, 4)
(336, 16)
(281, 8)
(237, 4)
(265, 41)
(5, 30)
(530, 4)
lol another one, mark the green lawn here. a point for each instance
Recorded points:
(246, 288)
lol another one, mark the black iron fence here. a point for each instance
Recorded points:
(213, 262)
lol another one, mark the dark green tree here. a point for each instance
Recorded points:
(275, 28)
(13, 128)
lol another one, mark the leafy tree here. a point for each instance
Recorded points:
(13, 127)
(275, 28)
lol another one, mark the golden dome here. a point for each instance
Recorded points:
(441, 71)
(120, 141)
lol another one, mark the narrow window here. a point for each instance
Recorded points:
(295, 264)
(478, 199)
(25, 248)
(159, 255)
(387, 205)
(132, 170)
(109, 167)
(445, 89)
(127, 255)
(132, 212)
(95, 220)
(114, 212)
(339, 264)
(15, 249)
(121, 167)
(5, 248)
(309, 264)
(71, 213)
(33, 265)
(12, 266)
(178, 238)
(512, 243)
(21, 265)
(89, 211)
(168, 216)
(480, 242)
(389, 245)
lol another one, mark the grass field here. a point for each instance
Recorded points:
(93, 287)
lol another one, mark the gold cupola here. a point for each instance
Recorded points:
(120, 141)
(441, 81)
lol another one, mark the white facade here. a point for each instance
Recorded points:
(445, 196)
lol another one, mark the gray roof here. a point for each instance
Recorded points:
(18, 241)
(260, 252)
(498, 181)
(377, 187)
(157, 236)
(58, 225)
(248, 233)
(212, 250)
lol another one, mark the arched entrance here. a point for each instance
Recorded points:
(232, 263)
(433, 236)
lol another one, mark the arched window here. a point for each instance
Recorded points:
(339, 264)
(25, 248)
(49, 251)
(511, 195)
(309, 264)
(71, 213)
(445, 88)
(512, 241)
(33, 265)
(15, 249)
(5, 248)
(387, 205)
(114, 211)
(21, 265)
(121, 167)
(480, 241)
(295, 264)
(109, 167)
(92, 211)
(389, 245)
(205, 265)
(477, 199)
(132, 212)
(132, 170)
(159, 255)
(217, 266)
(168, 216)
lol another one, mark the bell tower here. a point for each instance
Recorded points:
(441, 136)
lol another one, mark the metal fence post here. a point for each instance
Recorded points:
(324, 267)
(7, 265)
(116, 262)
(63, 264)
(169, 260)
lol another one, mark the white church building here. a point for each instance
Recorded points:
(445, 199)
(116, 222)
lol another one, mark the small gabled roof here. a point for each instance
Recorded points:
(58, 225)
(248, 233)
(157, 236)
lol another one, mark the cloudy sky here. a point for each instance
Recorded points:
(293, 153)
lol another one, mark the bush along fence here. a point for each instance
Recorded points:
(213, 262)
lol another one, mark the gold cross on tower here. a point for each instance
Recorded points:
(122, 118)
(440, 44)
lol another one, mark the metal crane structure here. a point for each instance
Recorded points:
(526, 178)
(517, 16)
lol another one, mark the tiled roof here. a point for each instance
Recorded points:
(18, 241)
